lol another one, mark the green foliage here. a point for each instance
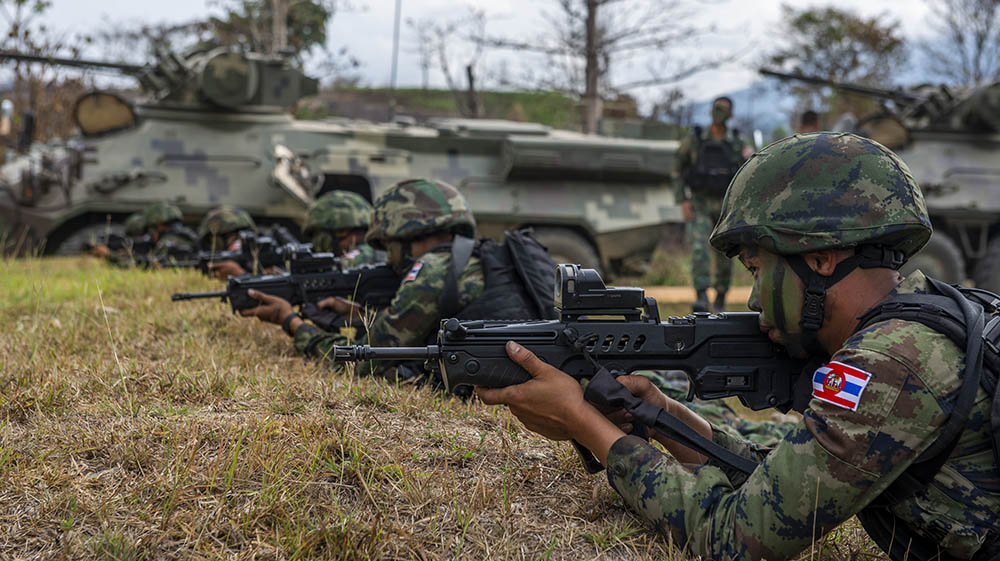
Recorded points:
(249, 24)
(838, 44)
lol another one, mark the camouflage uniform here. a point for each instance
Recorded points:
(719, 413)
(844, 192)
(219, 223)
(409, 210)
(706, 209)
(340, 210)
(177, 239)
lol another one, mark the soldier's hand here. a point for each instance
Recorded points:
(222, 270)
(546, 404)
(99, 250)
(687, 211)
(641, 387)
(551, 403)
(341, 306)
(272, 309)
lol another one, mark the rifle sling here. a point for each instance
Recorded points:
(605, 391)
(461, 252)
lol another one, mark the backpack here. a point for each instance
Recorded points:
(715, 164)
(950, 312)
(519, 276)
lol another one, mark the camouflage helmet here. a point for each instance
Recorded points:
(338, 210)
(223, 220)
(134, 225)
(818, 191)
(417, 207)
(160, 213)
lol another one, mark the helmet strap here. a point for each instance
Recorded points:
(816, 285)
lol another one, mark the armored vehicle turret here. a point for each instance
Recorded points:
(950, 139)
(214, 128)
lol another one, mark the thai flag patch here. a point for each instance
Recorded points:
(840, 384)
(352, 254)
(412, 275)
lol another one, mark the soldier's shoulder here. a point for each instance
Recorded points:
(907, 347)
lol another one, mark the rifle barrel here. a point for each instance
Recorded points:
(348, 353)
(178, 296)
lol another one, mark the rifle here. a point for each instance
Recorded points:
(614, 331)
(371, 286)
(257, 253)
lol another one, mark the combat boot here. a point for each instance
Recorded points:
(719, 305)
(701, 302)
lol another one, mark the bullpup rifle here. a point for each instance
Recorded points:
(371, 286)
(612, 331)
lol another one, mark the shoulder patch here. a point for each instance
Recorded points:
(412, 275)
(840, 384)
(352, 254)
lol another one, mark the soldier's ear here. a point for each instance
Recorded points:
(825, 261)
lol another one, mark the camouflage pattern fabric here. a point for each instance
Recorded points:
(411, 319)
(822, 191)
(135, 225)
(362, 254)
(705, 258)
(221, 221)
(706, 210)
(338, 210)
(178, 243)
(719, 413)
(834, 462)
(160, 213)
(418, 207)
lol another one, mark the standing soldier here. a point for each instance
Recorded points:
(706, 162)
(809, 122)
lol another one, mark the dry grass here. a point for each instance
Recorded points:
(132, 428)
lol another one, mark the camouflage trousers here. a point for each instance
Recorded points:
(702, 253)
(719, 413)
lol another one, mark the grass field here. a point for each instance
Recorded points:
(132, 428)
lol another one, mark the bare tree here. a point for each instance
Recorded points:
(673, 108)
(40, 89)
(966, 50)
(439, 43)
(588, 39)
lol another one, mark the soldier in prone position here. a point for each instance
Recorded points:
(219, 231)
(337, 223)
(897, 428)
(415, 222)
(168, 235)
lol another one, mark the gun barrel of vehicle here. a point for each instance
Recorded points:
(351, 353)
(82, 63)
(178, 296)
(896, 95)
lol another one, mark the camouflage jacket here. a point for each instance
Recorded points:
(686, 156)
(411, 319)
(834, 462)
(362, 254)
(177, 243)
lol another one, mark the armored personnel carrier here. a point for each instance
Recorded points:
(950, 139)
(214, 128)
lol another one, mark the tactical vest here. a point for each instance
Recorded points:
(715, 164)
(971, 319)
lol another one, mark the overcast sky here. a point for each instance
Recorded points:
(750, 27)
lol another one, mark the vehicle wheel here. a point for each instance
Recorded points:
(566, 246)
(940, 259)
(76, 243)
(987, 273)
